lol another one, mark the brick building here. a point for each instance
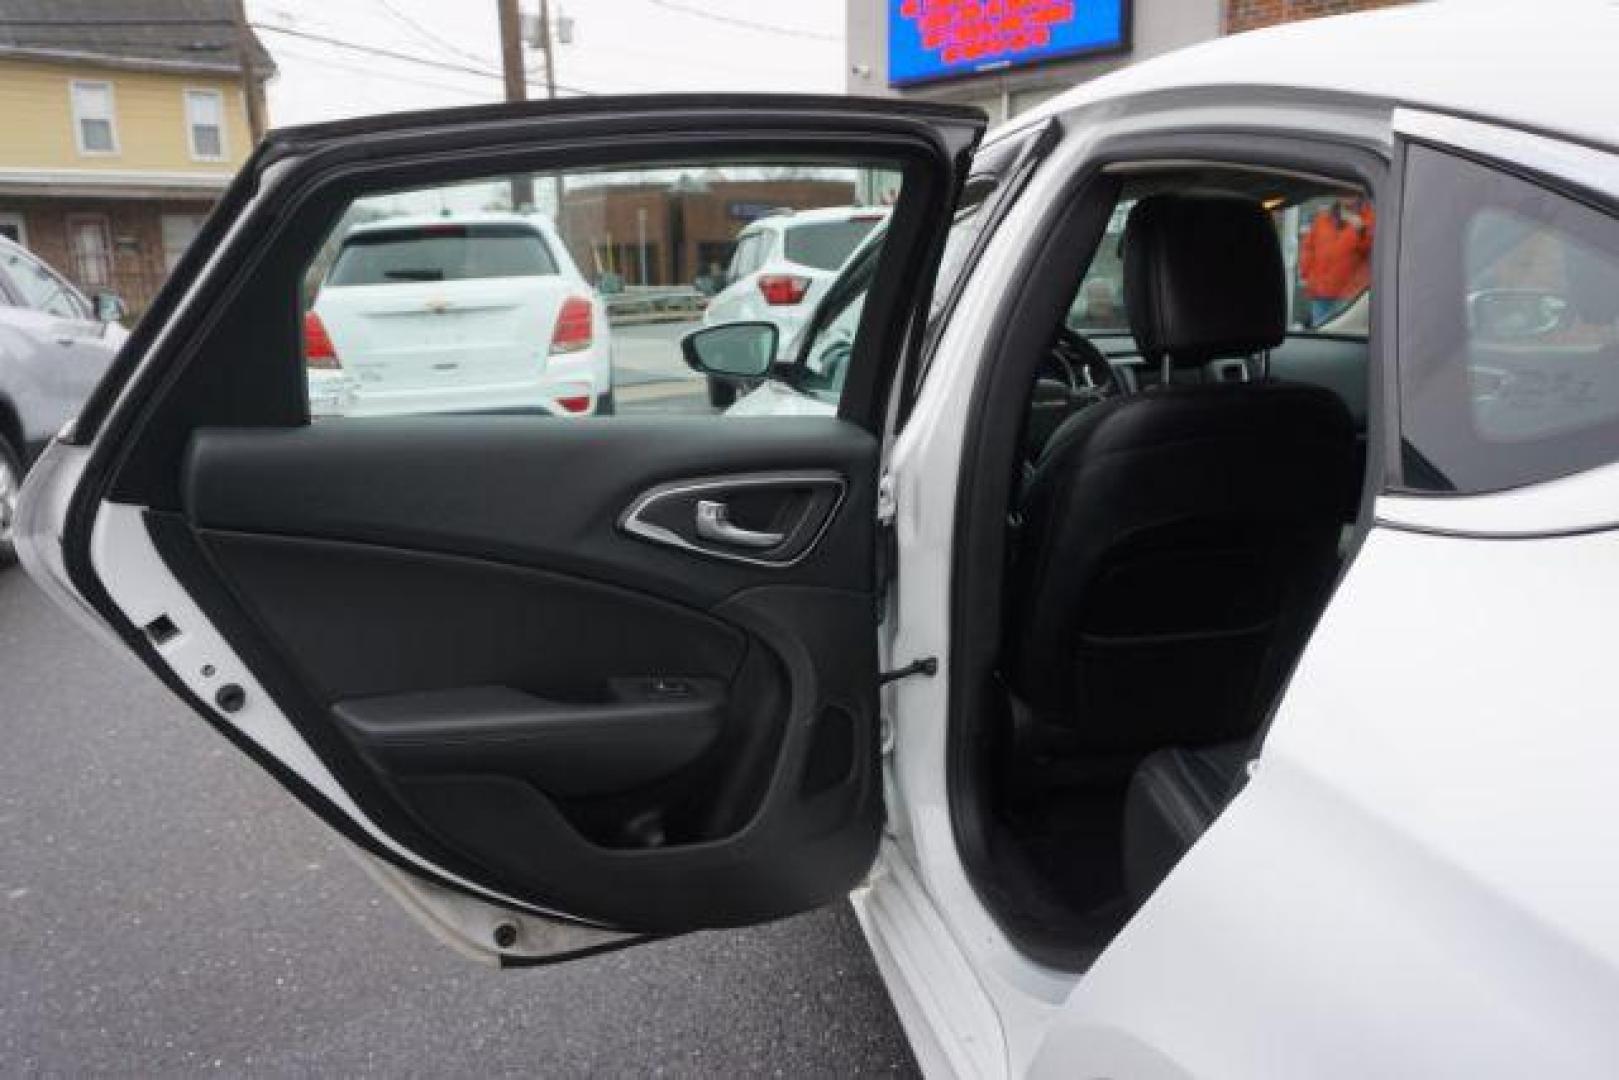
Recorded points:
(667, 233)
(125, 121)
(1243, 15)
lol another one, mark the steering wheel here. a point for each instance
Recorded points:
(1073, 376)
(1089, 376)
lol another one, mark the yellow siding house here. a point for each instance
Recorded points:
(121, 122)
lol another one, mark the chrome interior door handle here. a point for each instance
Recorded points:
(714, 523)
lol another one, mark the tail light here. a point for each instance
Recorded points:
(318, 349)
(783, 288)
(574, 326)
(575, 403)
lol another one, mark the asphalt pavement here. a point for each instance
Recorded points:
(649, 373)
(165, 908)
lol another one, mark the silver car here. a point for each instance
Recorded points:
(55, 344)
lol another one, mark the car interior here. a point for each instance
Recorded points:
(1193, 452)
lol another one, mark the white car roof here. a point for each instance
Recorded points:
(482, 217)
(823, 213)
(1552, 65)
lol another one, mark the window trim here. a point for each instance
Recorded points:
(105, 221)
(186, 94)
(79, 117)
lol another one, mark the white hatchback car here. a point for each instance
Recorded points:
(456, 313)
(1210, 696)
(783, 263)
(781, 268)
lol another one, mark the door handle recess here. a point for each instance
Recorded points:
(695, 515)
(714, 523)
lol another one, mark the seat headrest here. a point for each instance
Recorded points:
(1203, 278)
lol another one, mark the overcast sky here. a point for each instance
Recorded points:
(619, 46)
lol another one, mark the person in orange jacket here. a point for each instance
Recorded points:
(1335, 260)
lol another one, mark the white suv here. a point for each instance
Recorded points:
(782, 267)
(470, 313)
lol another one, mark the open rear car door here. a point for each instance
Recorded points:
(563, 683)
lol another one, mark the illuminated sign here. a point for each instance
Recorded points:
(945, 39)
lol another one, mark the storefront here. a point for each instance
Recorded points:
(1007, 56)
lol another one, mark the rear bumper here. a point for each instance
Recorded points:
(576, 375)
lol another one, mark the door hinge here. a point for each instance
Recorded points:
(928, 665)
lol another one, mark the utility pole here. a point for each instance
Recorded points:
(246, 59)
(511, 65)
(550, 92)
(549, 50)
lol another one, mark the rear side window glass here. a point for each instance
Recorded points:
(441, 253)
(554, 296)
(1509, 329)
(826, 245)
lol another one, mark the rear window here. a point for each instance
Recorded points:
(826, 245)
(441, 253)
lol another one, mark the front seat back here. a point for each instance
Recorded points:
(1178, 543)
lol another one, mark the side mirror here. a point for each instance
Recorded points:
(739, 350)
(1516, 314)
(110, 307)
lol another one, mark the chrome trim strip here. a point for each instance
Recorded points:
(634, 523)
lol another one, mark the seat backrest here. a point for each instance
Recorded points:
(1178, 543)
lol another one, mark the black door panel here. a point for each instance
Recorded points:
(547, 494)
(477, 671)
(363, 620)
(648, 729)
(463, 629)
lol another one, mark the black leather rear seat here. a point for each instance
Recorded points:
(1174, 795)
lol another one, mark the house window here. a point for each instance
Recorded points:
(14, 227)
(178, 232)
(93, 118)
(90, 241)
(205, 124)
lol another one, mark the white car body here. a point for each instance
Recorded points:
(1416, 879)
(1408, 885)
(54, 348)
(773, 398)
(478, 344)
(764, 250)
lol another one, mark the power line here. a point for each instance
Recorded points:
(390, 54)
(685, 62)
(745, 24)
(412, 80)
(429, 36)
